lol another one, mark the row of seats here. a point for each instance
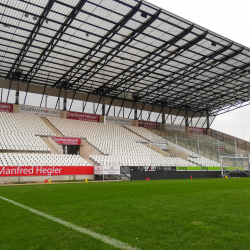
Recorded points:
(20, 123)
(119, 145)
(20, 132)
(21, 142)
(85, 129)
(143, 132)
(139, 161)
(204, 161)
(36, 159)
(194, 157)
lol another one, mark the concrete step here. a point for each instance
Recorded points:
(51, 127)
(46, 141)
(158, 150)
(86, 149)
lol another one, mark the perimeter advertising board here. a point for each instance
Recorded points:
(43, 112)
(83, 116)
(67, 141)
(118, 120)
(106, 170)
(197, 130)
(148, 124)
(98, 170)
(174, 127)
(45, 170)
(6, 107)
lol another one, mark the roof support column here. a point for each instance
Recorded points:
(103, 111)
(17, 96)
(163, 127)
(135, 115)
(208, 124)
(186, 123)
(65, 103)
(135, 111)
(64, 111)
(16, 105)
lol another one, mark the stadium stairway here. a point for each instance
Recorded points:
(170, 151)
(86, 150)
(176, 153)
(51, 127)
(53, 150)
(158, 150)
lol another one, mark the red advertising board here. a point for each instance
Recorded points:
(67, 141)
(148, 124)
(6, 107)
(221, 149)
(196, 130)
(83, 116)
(46, 170)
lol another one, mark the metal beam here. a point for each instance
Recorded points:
(107, 58)
(219, 61)
(97, 47)
(31, 38)
(148, 59)
(53, 42)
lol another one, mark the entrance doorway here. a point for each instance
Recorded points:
(71, 149)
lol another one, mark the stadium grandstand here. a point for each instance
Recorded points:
(111, 88)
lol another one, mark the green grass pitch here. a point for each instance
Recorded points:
(167, 214)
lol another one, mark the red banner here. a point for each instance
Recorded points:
(48, 171)
(6, 107)
(67, 141)
(197, 130)
(83, 116)
(148, 124)
(221, 149)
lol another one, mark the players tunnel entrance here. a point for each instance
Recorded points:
(69, 145)
(71, 149)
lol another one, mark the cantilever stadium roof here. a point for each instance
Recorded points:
(122, 49)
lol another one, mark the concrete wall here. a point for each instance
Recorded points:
(158, 150)
(39, 89)
(57, 147)
(64, 114)
(15, 108)
(101, 119)
(42, 178)
(176, 153)
(86, 149)
(51, 127)
(228, 138)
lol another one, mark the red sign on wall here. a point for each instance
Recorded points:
(67, 141)
(221, 149)
(148, 124)
(48, 171)
(83, 116)
(6, 107)
(197, 130)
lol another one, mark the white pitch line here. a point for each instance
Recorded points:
(106, 239)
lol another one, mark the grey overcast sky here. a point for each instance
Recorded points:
(229, 18)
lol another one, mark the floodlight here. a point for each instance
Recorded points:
(213, 43)
(144, 14)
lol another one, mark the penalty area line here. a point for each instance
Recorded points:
(103, 238)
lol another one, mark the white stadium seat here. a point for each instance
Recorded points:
(20, 132)
(118, 145)
(34, 159)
